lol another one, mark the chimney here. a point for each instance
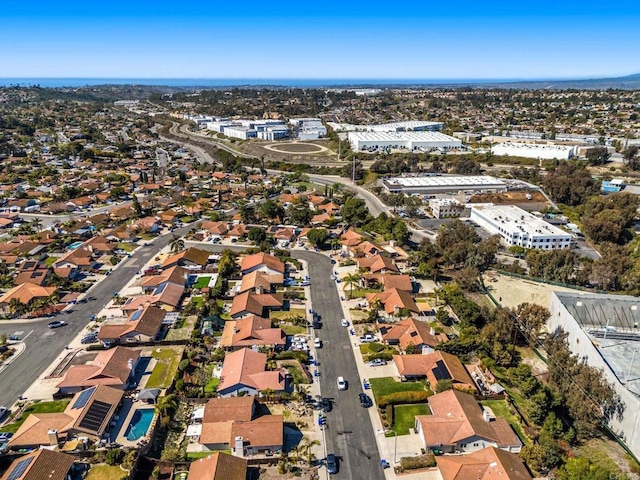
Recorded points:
(52, 435)
(238, 447)
(131, 366)
(487, 415)
(432, 331)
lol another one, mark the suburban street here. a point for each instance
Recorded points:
(43, 345)
(349, 435)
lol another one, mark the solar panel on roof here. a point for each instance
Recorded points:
(95, 416)
(83, 398)
(440, 371)
(136, 315)
(20, 468)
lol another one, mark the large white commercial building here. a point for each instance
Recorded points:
(446, 207)
(534, 150)
(245, 129)
(408, 126)
(433, 184)
(309, 128)
(603, 330)
(406, 140)
(518, 227)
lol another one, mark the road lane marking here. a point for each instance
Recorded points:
(27, 335)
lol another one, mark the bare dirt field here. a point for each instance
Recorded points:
(518, 198)
(511, 292)
(296, 147)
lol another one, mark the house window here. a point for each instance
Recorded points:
(463, 445)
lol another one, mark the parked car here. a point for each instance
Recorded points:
(368, 338)
(14, 338)
(90, 338)
(57, 323)
(5, 436)
(326, 404)
(365, 400)
(317, 343)
(3, 411)
(332, 464)
(342, 384)
(377, 362)
(344, 322)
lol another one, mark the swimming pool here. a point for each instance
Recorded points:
(139, 424)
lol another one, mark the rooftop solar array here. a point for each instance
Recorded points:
(95, 416)
(440, 371)
(83, 398)
(20, 468)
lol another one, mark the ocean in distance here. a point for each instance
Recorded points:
(233, 82)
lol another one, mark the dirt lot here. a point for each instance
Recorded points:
(511, 292)
(518, 198)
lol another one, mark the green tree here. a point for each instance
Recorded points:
(317, 236)
(176, 244)
(257, 235)
(355, 211)
(166, 407)
(597, 155)
(352, 280)
(444, 384)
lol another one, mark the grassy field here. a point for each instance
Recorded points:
(366, 351)
(212, 385)
(106, 472)
(500, 409)
(40, 407)
(386, 385)
(404, 417)
(288, 315)
(298, 375)
(202, 282)
(184, 331)
(293, 329)
(168, 359)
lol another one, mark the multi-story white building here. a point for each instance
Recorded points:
(243, 133)
(406, 140)
(446, 207)
(431, 184)
(603, 331)
(534, 150)
(518, 227)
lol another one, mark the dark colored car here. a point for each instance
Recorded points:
(332, 464)
(327, 406)
(365, 400)
(57, 323)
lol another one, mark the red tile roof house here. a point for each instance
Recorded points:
(192, 259)
(88, 415)
(25, 293)
(388, 281)
(175, 274)
(411, 332)
(394, 300)
(237, 232)
(143, 326)
(434, 367)
(263, 262)
(284, 236)
(487, 464)
(39, 465)
(378, 264)
(260, 304)
(243, 373)
(252, 331)
(260, 282)
(217, 230)
(233, 424)
(458, 424)
(110, 367)
(219, 466)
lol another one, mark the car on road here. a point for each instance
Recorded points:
(57, 324)
(90, 338)
(14, 338)
(368, 338)
(342, 384)
(3, 411)
(344, 322)
(326, 405)
(377, 362)
(332, 464)
(317, 343)
(365, 400)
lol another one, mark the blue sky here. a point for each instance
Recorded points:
(304, 39)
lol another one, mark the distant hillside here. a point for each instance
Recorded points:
(629, 82)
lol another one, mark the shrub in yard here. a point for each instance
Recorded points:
(421, 461)
(302, 357)
(182, 366)
(399, 398)
(388, 356)
(389, 414)
(114, 456)
(376, 347)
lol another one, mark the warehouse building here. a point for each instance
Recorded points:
(434, 184)
(603, 331)
(309, 128)
(408, 126)
(425, 141)
(518, 227)
(534, 150)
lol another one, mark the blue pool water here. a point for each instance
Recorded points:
(139, 424)
(74, 245)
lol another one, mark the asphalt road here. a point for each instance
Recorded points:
(349, 434)
(43, 345)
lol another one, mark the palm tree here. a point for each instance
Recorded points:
(351, 280)
(16, 307)
(165, 407)
(176, 244)
(306, 449)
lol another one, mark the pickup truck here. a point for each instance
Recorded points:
(368, 338)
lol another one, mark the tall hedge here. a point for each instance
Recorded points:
(400, 398)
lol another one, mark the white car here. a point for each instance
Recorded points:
(317, 343)
(344, 322)
(342, 385)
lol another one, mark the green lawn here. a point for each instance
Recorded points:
(127, 246)
(166, 367)
(49, 261)
(106, 472)
(366, 351)
(404, 417)
(212, 385)
(386, 385)
(292, 329)
(500, 409)
(289, 314)
(197, 455)
(298, 375)
(202, 282)
(40, 407)
(360, 292)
